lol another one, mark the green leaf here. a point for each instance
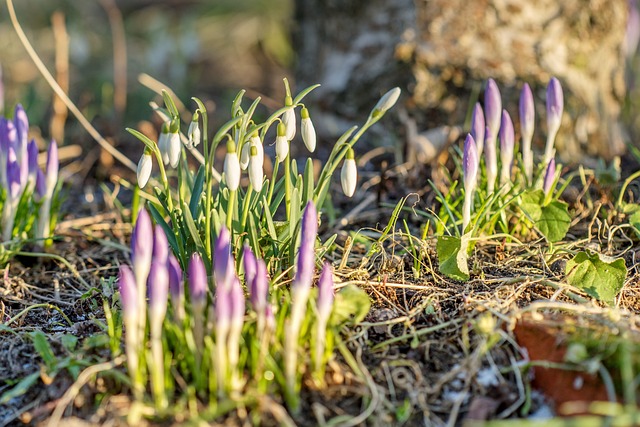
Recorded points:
(634, 221)
(351, 305)
(551, 220)
(452, 256)
(43, 348)
(168, 102)
(196, 193)
(69, 341)
(171, 237)
(21, 388)
(597, 275)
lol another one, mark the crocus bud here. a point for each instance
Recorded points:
(256, 172)
(259, 289)
(282, 145)
(144, 168)
(141, 247)
(128, 293)
(176, 288)
(249, 261)
(174, 145)
(232, 167)
(32, 154)
(197, 279)
(349, 174)
(507, 142)
(387, 101)
(325, 293)
(236, 297)
(492, 107)
(52, 168)
(163, 143)
(13, 176)
(549, 177)
(307, 130)
(477, 127)
(289, 119)
(40, 188)
(527, 124)
(306, 254)
(223, 265)
(194, 130)
(160, 245)
(555, 107)
(21, 122)
(158, 285)
(470, 165)
(491, 159)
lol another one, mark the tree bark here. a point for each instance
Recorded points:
(440, 52)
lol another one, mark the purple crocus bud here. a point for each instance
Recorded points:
(222, 259)
(549, 177)
(13, 175)
(325, 292)
(249, 263)
(160, 245)
(52, 168)
(40, 188)
(32, 154)
(507, 143)
(306, 254)
(492, 106)
(197, 279)
(158, 285)
(470, 165)
(176, 288)
(477, 127)
(555, 107)
(491, 159)
(9, 134)
(141, 246)
(223, 307)
(527, 125)
(21, 122)
(237, 301)
(128, 293)
(259, 288)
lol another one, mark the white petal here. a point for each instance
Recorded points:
(256, 173)
(308, 134)
(144, 170)
(282, 148)
(349, 177)
(232, 171)
(244, 156)
(388, 100)
(174, 147)
(289, 120)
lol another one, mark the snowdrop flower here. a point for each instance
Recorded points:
(282, 145)
(349, 174)
(555, 107)
(527, 124)
(163, 143)
(477, 127)
(174, 146)
(470, 165)
(507, 143)
(387, 101)
(256, 171)
(289, 119)
(144, 168)
(194, 130)
(232, 167)
(307, 130)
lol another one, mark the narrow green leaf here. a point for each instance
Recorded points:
(171, 237)
(599, 276)
(171, 106)
(304, 93)
(193, 229)
(196, 193)
(41, 344)
(307, 193)
(21, 388)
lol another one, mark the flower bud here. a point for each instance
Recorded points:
(492, 107)
(349, 174)
(223, 265)
(507, 142)
(256, 172)
(32, 154)
(491, 159)
(128, 293)
(141, 246)
(527, 124)
(21, 122)
(282, 145)
(555, 107)
(158, 285)
(160, 245)
(307, 130)
(163, 143)
(174, 146)
(197, 280)
(325, 293)
(289, 119)
(52, 168)
(232, 167)
(387, 101)
(176, 288)
(549, 177)
(144, 168)
(194, 130)
(477, 127)
(13, 176)
(306, 254)
(470, 163)
(40, 188)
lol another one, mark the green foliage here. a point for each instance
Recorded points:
(453, 256)
(550, 218)
(597, 275)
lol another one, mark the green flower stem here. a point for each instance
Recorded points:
(157, 371)
(272, 183)
(287, 184)
(231, 209)
(245, 208)
(624, 188)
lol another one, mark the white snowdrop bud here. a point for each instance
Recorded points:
(307, 130)
(387, 101)
(245, 156)
(232, 167)
(282, 144)
(144, 169)
(174, 145)
(349, 174)
(194, 130)
(163, 143)
(289, 119)
(256, 172)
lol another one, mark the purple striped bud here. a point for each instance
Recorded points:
(141, 247)
(8, 135)
(507, 143)
(250, 265)
(259, 289)
(197, 279)
(32, 154)
(492, 107)
(325, 292)
(477, 127)
(41, 187)
(128, 292)
(160, 245)
(176, 288)
(158, 285)
(549, 177)
(52, 168)
(490, 158)
(13, 175)
(21, 122)
(306, 253)
(555, 107)
(527, 125)
(470, 163)
(223, 265)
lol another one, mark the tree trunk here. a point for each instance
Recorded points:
(440, 52)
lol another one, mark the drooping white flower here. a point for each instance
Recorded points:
(194, 130)
(256, 171)
(245, 156)
(144, 169)
(174, 146)
(289, 119)
(163, 143)
(349, 174)
(232, 167)
(282, 144)
(307, 130)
